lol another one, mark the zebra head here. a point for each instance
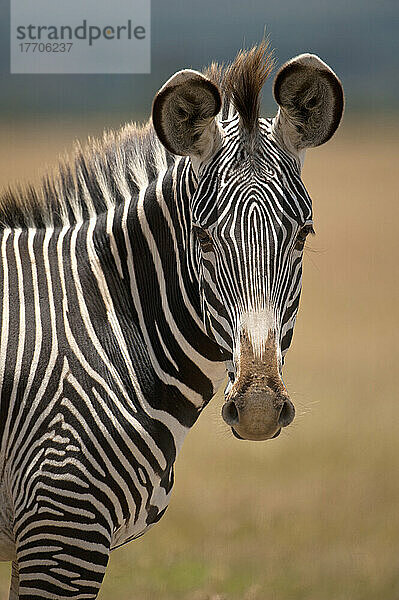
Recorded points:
(250, 213)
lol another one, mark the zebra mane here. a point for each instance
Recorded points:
(241, 83)
(103, 172)
(98, 175)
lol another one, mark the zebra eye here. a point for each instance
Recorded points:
(302, 235)
(203, 238)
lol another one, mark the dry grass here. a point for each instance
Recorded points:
(312, 515)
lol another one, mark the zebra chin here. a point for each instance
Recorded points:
(257, 405)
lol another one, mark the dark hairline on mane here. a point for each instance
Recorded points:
(133, 154)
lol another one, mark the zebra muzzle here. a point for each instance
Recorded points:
(257, 404)
(258, 415)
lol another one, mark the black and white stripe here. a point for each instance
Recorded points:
(251, 209)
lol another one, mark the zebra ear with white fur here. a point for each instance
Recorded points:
(183, 114)
(311, 101)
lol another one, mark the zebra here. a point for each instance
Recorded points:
(135, 277)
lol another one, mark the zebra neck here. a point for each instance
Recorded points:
(145, 251)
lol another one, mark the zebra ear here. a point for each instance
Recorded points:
(183, 114)
(311, 101)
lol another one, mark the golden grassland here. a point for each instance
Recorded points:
(312, 515)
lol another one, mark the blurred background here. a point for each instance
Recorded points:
(312, 515)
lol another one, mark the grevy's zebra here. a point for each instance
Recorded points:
(129, 281)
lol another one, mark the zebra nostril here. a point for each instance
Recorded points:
(287, 414)
(230, 413)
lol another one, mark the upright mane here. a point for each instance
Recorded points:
(100, 174)
(241, 83)
(86, 184)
